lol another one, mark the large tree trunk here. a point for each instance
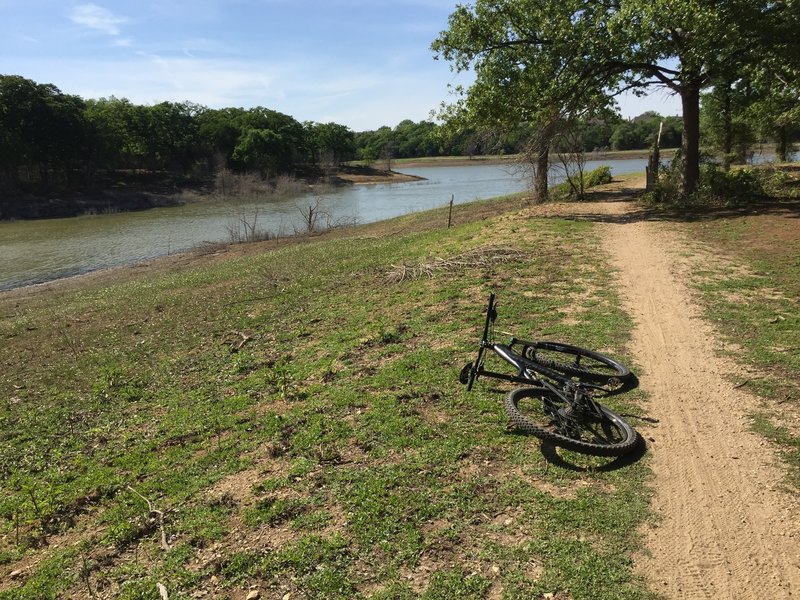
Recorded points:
(727, 122)
(540, 179)
(782, 143)
(690, 99)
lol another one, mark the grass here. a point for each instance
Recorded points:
(291, 419)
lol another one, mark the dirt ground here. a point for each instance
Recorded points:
(726, 529)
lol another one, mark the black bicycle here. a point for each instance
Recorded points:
(564, 413)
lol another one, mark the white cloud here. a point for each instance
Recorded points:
(305, 88)
(97, 17)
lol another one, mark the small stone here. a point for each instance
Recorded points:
(15, 574)
(253, 595)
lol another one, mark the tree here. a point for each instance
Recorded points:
(330, 142)
(528, 69)
(42, 131)
(268, 141)
(724, 121)
(569, 50)
(774, 109)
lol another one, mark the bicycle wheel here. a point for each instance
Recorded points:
(576, 362)
(545, 414)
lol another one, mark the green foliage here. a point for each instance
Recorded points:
(668, 190)
(717, 187)
(330, 142)
(553, 60)
(599, 176)
(642, 132)
(733, 187)
(39, 126)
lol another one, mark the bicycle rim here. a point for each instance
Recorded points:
(577, 362)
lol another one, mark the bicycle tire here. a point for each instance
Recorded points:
(608, 436)
(576, 361)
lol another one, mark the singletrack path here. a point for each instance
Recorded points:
(726, 529)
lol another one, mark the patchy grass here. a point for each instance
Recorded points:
(755, 302)
(290, 419)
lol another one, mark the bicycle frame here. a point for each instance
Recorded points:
(527, 371)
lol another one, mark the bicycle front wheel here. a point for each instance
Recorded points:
(543, 413)
(577, 362)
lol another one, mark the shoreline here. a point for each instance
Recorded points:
(459, 161)
(199, 254)
(75, 204)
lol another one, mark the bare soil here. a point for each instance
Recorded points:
(726, 527)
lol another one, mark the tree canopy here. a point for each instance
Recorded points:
(543, 56)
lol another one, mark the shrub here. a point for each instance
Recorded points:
(729, 187)
(598, 176)
(567, 190)
(716, 188)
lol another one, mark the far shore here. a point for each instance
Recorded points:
(391, 175)
(26, 206)
(457, 161)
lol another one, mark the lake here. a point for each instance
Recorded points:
(42, 250)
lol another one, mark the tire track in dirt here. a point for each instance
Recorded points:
(726, 529)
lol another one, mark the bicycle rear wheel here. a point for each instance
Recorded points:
(577, 362)
(545, 414)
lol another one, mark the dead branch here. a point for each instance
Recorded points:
(480, 257)
(237, 344)
(153, 511)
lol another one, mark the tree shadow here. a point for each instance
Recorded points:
(786, 207)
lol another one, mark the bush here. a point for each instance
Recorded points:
(716, 188)
(733, 187)
(567, 190)
(598, 176)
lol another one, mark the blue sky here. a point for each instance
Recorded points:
(360, 63)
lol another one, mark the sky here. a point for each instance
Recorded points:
(359, 63)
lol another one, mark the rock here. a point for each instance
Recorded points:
(253, 595)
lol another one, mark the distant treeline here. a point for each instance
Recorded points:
(51, 141)
(415, 140)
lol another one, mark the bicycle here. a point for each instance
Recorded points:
(565, 414)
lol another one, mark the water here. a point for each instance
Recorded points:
(42, 250)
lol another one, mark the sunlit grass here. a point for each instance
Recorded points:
(292, 420)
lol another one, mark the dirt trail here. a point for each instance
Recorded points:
(726, 528)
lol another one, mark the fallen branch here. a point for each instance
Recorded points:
(153, 511)
(236, 345)
(162, 591)
(479, 257)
